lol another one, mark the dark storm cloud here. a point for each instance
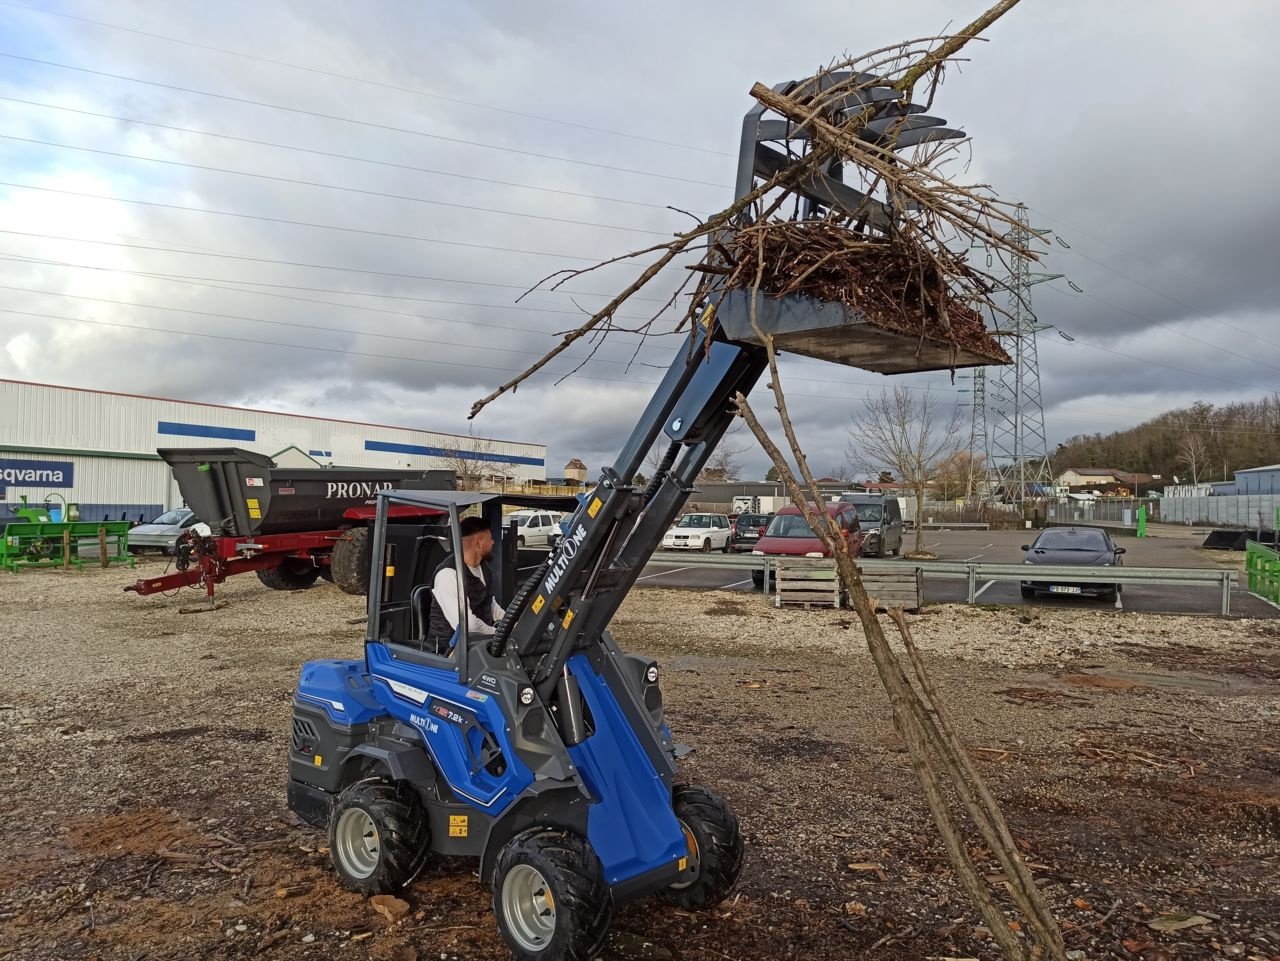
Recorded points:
(1129, 130)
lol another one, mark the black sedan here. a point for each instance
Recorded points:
(1077, 547)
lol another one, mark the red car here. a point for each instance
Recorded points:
(789, 535)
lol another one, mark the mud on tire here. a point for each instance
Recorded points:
(350, 561)
(550, 898)
(715, 845)
(377, 836)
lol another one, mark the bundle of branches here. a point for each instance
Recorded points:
(889, 280)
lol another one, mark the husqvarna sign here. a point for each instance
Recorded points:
(37, 473)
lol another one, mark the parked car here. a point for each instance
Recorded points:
(789, 535)
(1075, 546)
(535, 528)
(746, 530)
(161, 534)
(880, 519)
(698, 532)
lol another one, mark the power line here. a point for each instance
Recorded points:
(435, 342)
(299, 223)
(218, 283)
(333, 155)
(354, 353)
(375, 83)
(1138, 283)
(360, 123)
(292, 263)
(1166, 327)
(325, 186)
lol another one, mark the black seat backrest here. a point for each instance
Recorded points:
(420, 606)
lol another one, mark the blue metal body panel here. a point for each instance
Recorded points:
(630, 824)
(342, 689)
(453, 720)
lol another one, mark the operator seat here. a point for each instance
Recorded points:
(431, 550)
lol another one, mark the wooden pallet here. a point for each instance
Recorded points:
(812, 582)
(896, 588)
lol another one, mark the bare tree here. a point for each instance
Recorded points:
(475, 464)
(1194, 453)
(957, 475)
(909, 435)
(726, 463)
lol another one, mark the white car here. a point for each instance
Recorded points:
(535, 528)
(698, 532)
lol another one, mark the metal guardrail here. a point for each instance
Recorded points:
(974, 574)
(957, 526)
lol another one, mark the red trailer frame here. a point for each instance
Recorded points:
(224, 557)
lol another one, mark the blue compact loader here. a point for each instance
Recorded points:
(538, 747)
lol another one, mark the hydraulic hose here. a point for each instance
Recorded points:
(498, 646)
(664, 468)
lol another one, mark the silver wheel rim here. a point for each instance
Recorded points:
(529, 907)
(695, 861)
(356, 844)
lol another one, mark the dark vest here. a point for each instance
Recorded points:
(479, 599)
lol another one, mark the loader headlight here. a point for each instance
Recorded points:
(526, 695)
(651, 675)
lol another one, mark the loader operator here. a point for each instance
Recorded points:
(483, 611)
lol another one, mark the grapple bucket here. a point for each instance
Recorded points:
(837, 333)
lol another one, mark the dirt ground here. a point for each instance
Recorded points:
(143, 757)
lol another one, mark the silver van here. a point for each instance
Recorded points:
(880, 518)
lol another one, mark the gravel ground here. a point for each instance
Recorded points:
(143, 753)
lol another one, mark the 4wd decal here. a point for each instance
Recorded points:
(568, 548)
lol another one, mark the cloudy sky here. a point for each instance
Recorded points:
(345, 200)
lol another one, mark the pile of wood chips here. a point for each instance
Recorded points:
(891, 284)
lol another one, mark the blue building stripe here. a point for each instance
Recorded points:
(205, 430)
(391, 448)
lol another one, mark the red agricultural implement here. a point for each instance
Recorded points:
(290, 525)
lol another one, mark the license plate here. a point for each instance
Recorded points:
(1063, 589)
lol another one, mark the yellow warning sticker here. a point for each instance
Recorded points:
(538, 603)
(255, 511)
(684, 864)
(707, 316)
(568, 619)
(458, 825)
(391, 570)
(594, 507)
(319, 760)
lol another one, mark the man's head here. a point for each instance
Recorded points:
(477, 540)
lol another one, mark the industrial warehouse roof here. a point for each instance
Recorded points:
(254, 410)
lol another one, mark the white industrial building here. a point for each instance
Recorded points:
(98, 448)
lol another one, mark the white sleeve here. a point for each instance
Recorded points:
(445, 591)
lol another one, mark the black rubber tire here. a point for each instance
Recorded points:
(878, 552)
(725, 549)
(326, 573)
(519, 542)
(1110, 596)
(401, 822)
(1027, 592)
(583, 903)
(715, 829)
(706, 545)
(350, 561)
(757, 578)
(291, 575)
